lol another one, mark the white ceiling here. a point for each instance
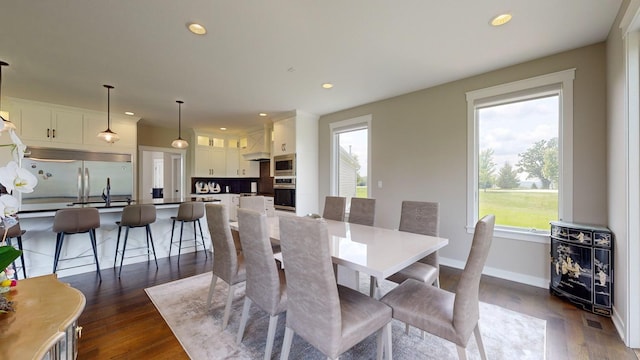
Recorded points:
(271, 56)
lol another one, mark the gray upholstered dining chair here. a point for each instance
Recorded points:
(227, 264)
(450, 316)
(420, 218)
(362, 211)
(266, 284)
(256, 203)
(334, 208)
(330, 317)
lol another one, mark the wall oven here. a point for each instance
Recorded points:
(284, 193)
(284, 165)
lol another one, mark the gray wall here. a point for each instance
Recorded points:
(419, 147)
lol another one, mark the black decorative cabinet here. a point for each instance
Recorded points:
(582, 265)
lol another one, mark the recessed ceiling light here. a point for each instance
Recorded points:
(263, 114)
(223, 128)
(501, 19)
(129, 113)
(197, 29)
(327, 85)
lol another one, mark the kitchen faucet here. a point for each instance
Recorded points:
(107, 197)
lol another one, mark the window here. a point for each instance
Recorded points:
(520, 155)
(350, 151)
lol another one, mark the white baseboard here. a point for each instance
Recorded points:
(502, 274)
(619, 324)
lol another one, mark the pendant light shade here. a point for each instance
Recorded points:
(179, 142)
(108, 135)
(4, 116)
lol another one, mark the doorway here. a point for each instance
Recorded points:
(161, 173)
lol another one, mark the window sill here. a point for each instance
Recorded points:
(521, 235)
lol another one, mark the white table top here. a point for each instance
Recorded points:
(376, 251)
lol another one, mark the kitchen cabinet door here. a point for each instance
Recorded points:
(45, 124)
(209, 162)
(284, 137)
(233, 162)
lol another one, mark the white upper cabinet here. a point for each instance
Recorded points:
(46, 124)
(284, 137)
(50, 125)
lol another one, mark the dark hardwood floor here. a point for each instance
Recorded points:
(120, 322)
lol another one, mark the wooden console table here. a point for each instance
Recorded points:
(44, 323)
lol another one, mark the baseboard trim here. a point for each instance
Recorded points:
(502, 274)
(619, 324)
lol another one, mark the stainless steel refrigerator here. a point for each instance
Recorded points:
(70, 176)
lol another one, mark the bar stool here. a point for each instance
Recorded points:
(15, 232)
(134, 216)
(190, 211)
(76, 221)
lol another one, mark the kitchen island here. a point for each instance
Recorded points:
(39, 240)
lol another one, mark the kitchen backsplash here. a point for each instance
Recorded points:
(221, 185)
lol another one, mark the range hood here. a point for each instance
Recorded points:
(258, 145)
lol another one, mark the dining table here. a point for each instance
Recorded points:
(376, 251)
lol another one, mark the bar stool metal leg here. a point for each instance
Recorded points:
(206, 256)
(173, 226)
(115, 258)
(150, 236)
(92, 234)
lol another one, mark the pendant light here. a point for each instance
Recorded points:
(179, 142)
(6, 124)
(108, 135)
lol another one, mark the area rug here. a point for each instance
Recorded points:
(182, 303)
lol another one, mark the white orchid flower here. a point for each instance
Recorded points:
(8, 205)
(16, 178)
(19, 147)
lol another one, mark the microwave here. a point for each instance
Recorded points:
(284, 165)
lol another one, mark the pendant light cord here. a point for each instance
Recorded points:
(109, 87)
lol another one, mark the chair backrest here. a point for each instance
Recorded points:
(190, 211)
(362, 211)
(313, 305)
(466, 311)
(420, 217)
(263, 281)
(76, 220)
(138, 215)
(423, 218)
(225, 258)
(334, 207)
(256, 203)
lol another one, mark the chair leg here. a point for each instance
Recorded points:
(388, 341)
(115, 258)
(173, 226)
(124, 247)
(195, 238)
(92, 234)
(153, 247)
(462, 352)
(24, 266)
(437, 282)
(202, 238)
(180, 244)
(271, 335)
(243, 319)
(380, 342)
(373, 284)
(286, 343)
(227, 307)
(214, 278)
(476, 334)
(56, 257)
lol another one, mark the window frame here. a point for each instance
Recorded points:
(560, 82)
(335, 128)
